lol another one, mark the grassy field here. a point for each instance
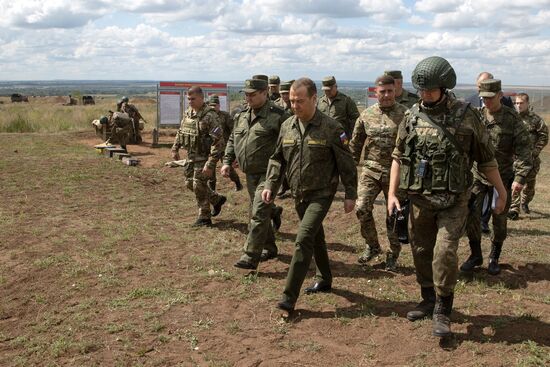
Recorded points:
(99, 266)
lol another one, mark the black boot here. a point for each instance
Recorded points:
(494, 268)
(442, 316)
(475, 259)
(424, 308)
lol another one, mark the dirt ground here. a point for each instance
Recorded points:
(99, 266)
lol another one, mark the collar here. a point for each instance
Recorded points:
(315, 121)
(262, 112)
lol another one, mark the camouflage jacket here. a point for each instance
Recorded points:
(226, 123)
(538, 131)
(254, 137)
(313, 161)
(407, 98)
(511, 141)
(378, 127)
(342, 109)
(201, 135)
(448, 171)
(274, 96)
(280, 102)
(131, 110)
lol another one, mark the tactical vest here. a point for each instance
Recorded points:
(195, 140)
(432, 163)
(121, 119)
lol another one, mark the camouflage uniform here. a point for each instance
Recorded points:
(201, 136)
(121, 128)
(134, 114)
(439, 199)
(510, 139)
(378, 127)
(313, 161)
(538, 132)
(251, 143)
(342, 108)
(407, 98)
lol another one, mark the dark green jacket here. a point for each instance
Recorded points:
(511, 141)
(342, 109)
(313, 161)
(254, 138)
(407, 98)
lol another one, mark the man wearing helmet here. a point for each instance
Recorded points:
(436, 146)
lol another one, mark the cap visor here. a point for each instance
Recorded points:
(487, 94)
(325, 87)
(248, 90)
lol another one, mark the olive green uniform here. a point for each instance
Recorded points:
(376, 130)
(439, 195)
(407, 98)
(313, 160)
(286, 107)
(511, 141)
(201, 136)
(342, 109)
(538, 133)
(251, 143)
(226, 123)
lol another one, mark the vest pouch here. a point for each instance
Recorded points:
(440, 177)
(405, 173)
(458, 173)
(416, 181)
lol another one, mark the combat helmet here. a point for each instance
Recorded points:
(432, 73)
(124, 99)
(103, 120)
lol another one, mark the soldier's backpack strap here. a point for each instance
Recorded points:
(416, 112)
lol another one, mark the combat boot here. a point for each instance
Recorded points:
(218, 207)
(442, 316)
(494, 268)
(391, 261)
(513, 215)
(475, 259)
(203, 222)
(525, 208)
(369, 254)
(424, 308)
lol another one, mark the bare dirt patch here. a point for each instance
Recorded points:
(99, 266)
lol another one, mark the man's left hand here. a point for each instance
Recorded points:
(207, 172)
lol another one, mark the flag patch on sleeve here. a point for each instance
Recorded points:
(344, 138)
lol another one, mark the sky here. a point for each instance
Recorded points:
(207, 40)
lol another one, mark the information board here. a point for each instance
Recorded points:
(172, 102)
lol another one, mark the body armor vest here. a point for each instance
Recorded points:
(196, 138)
(433, 162)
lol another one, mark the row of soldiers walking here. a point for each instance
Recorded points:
(432, 153)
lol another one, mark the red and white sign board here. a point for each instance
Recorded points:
(371, 96)
(172, 100)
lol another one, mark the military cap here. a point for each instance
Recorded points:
(213, 100)
(489, 87)
(328, 82)
(285, 87)
(253, 85)
(274, 80)
(396, 74)
(384, 80)
(261, 77)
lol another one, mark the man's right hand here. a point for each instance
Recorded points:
(175, 154)
(393, 202)
(225, 170)
(267, 196)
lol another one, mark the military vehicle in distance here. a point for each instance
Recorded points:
(16, 97)
(88, 100)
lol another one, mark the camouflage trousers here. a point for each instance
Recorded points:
(197, 182)
(434, 236)
(120, 135)
(261, 234)
(368, 190)
(528, 192)
(500, 221)
(310, 242)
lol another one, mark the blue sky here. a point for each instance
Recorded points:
(232, 40)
